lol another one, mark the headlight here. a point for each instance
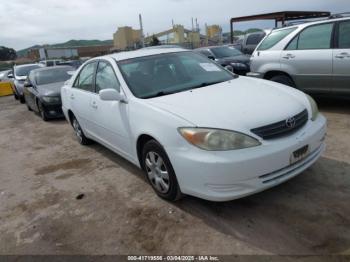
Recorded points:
(217, 139)
(51, 99)
(238, 65)
(314, 107)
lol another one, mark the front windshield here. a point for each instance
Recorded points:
(25, 70)
(168, 73)
(222, 52)
(49, 76)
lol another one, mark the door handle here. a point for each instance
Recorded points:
(94, 105)
(343, 55)
(288, 56)
(71, 96)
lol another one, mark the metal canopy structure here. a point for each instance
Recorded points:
(282, 17)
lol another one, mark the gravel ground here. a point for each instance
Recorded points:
(43, 170)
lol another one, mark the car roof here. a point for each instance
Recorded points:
(52, 68)
(144, 52)
(20, 66)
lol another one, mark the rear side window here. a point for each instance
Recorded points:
(85, 79)
(275, 37)
(344, 35)
(106, 78)
(316, 37)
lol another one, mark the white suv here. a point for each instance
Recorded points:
(313, 57)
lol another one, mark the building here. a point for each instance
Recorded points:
(214, 33)
(126, 38)
(92, 51)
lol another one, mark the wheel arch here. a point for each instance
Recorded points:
(140, 143)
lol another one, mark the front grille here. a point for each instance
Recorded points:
(282, 128)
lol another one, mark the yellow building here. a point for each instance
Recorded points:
(214, 32)
(126, 38)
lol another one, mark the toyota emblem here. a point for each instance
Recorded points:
(290, 122)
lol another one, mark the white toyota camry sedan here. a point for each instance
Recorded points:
(192, 126)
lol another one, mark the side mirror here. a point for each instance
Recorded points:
(27, 84)
(211, 57)
(112, 95)
(229, 68)
(10, 75)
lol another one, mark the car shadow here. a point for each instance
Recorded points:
(333, 104)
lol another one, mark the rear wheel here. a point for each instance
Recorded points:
(82, 139)
(15, 96)
(283, 79)
(159, 171)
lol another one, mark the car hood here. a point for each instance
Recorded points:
(53, 89)
(236, 59)
(21, 78)
(240, 104)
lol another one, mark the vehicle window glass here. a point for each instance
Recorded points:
(293, 45)
(49, 76)
(206, 53)
(106, 78)
(275, 37)
(316, 37)
(49, 63)
(344, 35)
(25, 70)
(85, 78)
(254, 39)
(170, 73)
(222, 52)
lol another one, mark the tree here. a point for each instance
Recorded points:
(154, 41)
(7, 53)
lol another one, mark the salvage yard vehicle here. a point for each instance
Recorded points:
(313, 57)
(20, 74)
(192, 126)
(42, 90)
(227, 57)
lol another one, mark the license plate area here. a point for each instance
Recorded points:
(299, 154)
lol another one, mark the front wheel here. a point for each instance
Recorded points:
(22, 99)
(160, 172)
(283, 79)
(42, 111)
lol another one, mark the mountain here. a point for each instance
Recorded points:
(70, 43)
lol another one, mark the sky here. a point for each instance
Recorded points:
(24, 23)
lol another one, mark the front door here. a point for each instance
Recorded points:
(308, 58)
(341, 59)
(111, 121)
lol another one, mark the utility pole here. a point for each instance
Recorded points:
(141, 29)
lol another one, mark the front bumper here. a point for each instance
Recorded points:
(53, 110)
(228, 175)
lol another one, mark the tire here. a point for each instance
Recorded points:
(42, 111)
(15, 96)
(29, 109)
(159, 171)
(22, 99)
(82, 139)
(283, 79)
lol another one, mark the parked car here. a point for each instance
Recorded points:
(313, 57)
(251, 41)
(227, 57)
(6, 76)
(20, 74)
(50, 62)
(74, 63)
(192, 126)
(42, 90)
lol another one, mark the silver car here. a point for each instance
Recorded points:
(313, 57)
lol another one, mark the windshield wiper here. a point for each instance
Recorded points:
(160, 93)
(205, 84)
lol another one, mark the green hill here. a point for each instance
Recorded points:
(70, 43)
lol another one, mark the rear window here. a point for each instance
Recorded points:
(254, 39)
(275, 37)
(52, 76)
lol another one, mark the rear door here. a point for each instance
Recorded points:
(111, 121)
(341, 59)
(308, 58)
(80, 96)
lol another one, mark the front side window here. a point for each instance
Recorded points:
(316, 37)
(85, 79)
(344, 35)
(106, 78)
(168, 73)
(274, 38)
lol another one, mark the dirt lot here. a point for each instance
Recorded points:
(43, 169)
